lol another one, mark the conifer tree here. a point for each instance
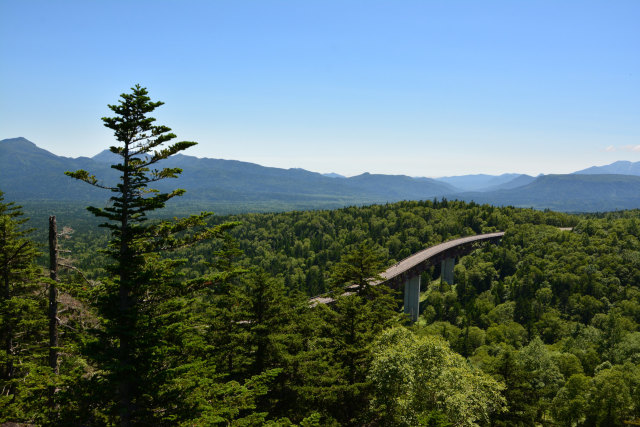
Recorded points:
(226, 312)
(360, 313)
(22, 321)
(141, 280)
(213, 382)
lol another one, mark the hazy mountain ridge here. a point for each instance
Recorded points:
(569, 193)
(29, 173)
(478, 182)
(518, 181)
(621, 167)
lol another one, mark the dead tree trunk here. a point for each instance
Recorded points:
(53, 298)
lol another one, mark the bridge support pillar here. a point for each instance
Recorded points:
(446, 269)
(412, 297)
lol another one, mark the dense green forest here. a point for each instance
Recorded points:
(206, 320)
(542, 328)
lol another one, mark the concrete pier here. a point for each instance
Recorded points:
(446, 269)
(413, 266)
(412, 297)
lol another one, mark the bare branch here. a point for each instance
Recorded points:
(77, 270)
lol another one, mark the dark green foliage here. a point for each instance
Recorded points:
(360, 313)
(131, 303)
(23, 375)
(359, 268)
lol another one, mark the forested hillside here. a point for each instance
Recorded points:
(143, 319)
(547, 322)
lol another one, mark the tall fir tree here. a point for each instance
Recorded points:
(141, 282)
(361, 311)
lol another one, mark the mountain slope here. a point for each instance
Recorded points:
(477, 182)
(621, 167)
(569, 193)
(518, 181)
(215, 179)
(28, 172)
(31, 173)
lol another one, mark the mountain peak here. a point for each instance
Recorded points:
(105, 156)
(621, 167)
(18, 141)
(333, 175)
(23, 146)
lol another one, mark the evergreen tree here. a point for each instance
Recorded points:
(225, 312)
(23, 377)
(359, 268)
(360, 313)
(129, 303)
(273, 338)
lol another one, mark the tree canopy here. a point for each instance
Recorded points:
(207, 320)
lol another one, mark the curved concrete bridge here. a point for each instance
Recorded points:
(406, 273)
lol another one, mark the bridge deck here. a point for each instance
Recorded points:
(425, 254)
(417, 258)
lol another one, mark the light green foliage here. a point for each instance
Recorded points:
(585, 344)
(628, 349)
(543, 375)
(415, 376)
(571, 404)
(615, 394)
(446, 330)
(511, 333)
(502, 313)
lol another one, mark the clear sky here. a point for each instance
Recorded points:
(421, 88)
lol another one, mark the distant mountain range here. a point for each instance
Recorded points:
(569, 193)
(621, 167)
(479, 182)
(29, 173)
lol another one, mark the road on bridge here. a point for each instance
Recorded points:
(418, 262)
(436, 251)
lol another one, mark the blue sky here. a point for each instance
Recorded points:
(421, 88)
